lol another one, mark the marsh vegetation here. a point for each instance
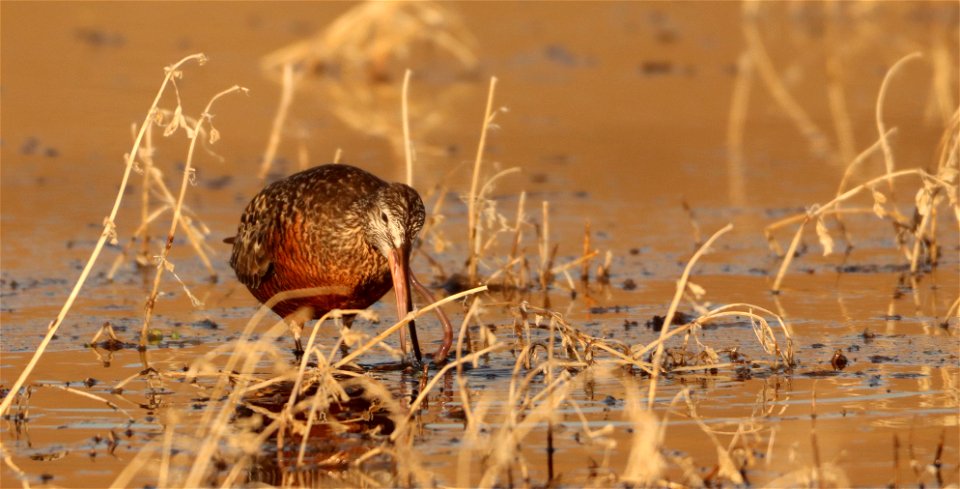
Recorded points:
(724, 257)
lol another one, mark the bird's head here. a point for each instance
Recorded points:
(394, 217)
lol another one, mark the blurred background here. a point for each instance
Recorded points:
(622, 110)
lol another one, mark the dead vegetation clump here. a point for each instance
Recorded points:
(377, 41)
(355, 62)
(846, 31)
(916, 232)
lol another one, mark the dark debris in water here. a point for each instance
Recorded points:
(821, 373)
(111, 344)
(32, 283)
(680, 318)
(560, 54)
(608, 309)
(97, 37)
(874, 268)
(654, 67)
(839, 360)
(218, 183)
(29, 146)
(908, 375)
(455, 283)
(206, 324)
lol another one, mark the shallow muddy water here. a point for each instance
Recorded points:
(618, 115)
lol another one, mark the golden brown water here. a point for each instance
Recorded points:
(617, 114)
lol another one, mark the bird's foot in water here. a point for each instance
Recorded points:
(427, 362)
(410, 362)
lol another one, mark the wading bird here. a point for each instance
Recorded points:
(341, 230)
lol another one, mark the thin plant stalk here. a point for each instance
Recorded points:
(856, 162)
(167, 450)
(517, 236)
(788, 256)
(736, 121)
(472, 211)
(775, 85)
(286, 99)
(186, 223)
(545, 274)
(146, 155)
(881, 127)
(671, 312)
(836, 95)
(407, 144)
(8, 460)
(132, 468)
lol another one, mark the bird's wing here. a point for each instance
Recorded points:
(255, 243)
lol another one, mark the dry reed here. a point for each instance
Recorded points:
(473, 241)
(291, 76)
(405, 114)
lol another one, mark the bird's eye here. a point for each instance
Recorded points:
(383, 217)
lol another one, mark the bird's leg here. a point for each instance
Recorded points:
(441, 353)
(347, 323)
(296, 327)
(413, 337)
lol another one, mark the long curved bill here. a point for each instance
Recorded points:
(400, 271)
